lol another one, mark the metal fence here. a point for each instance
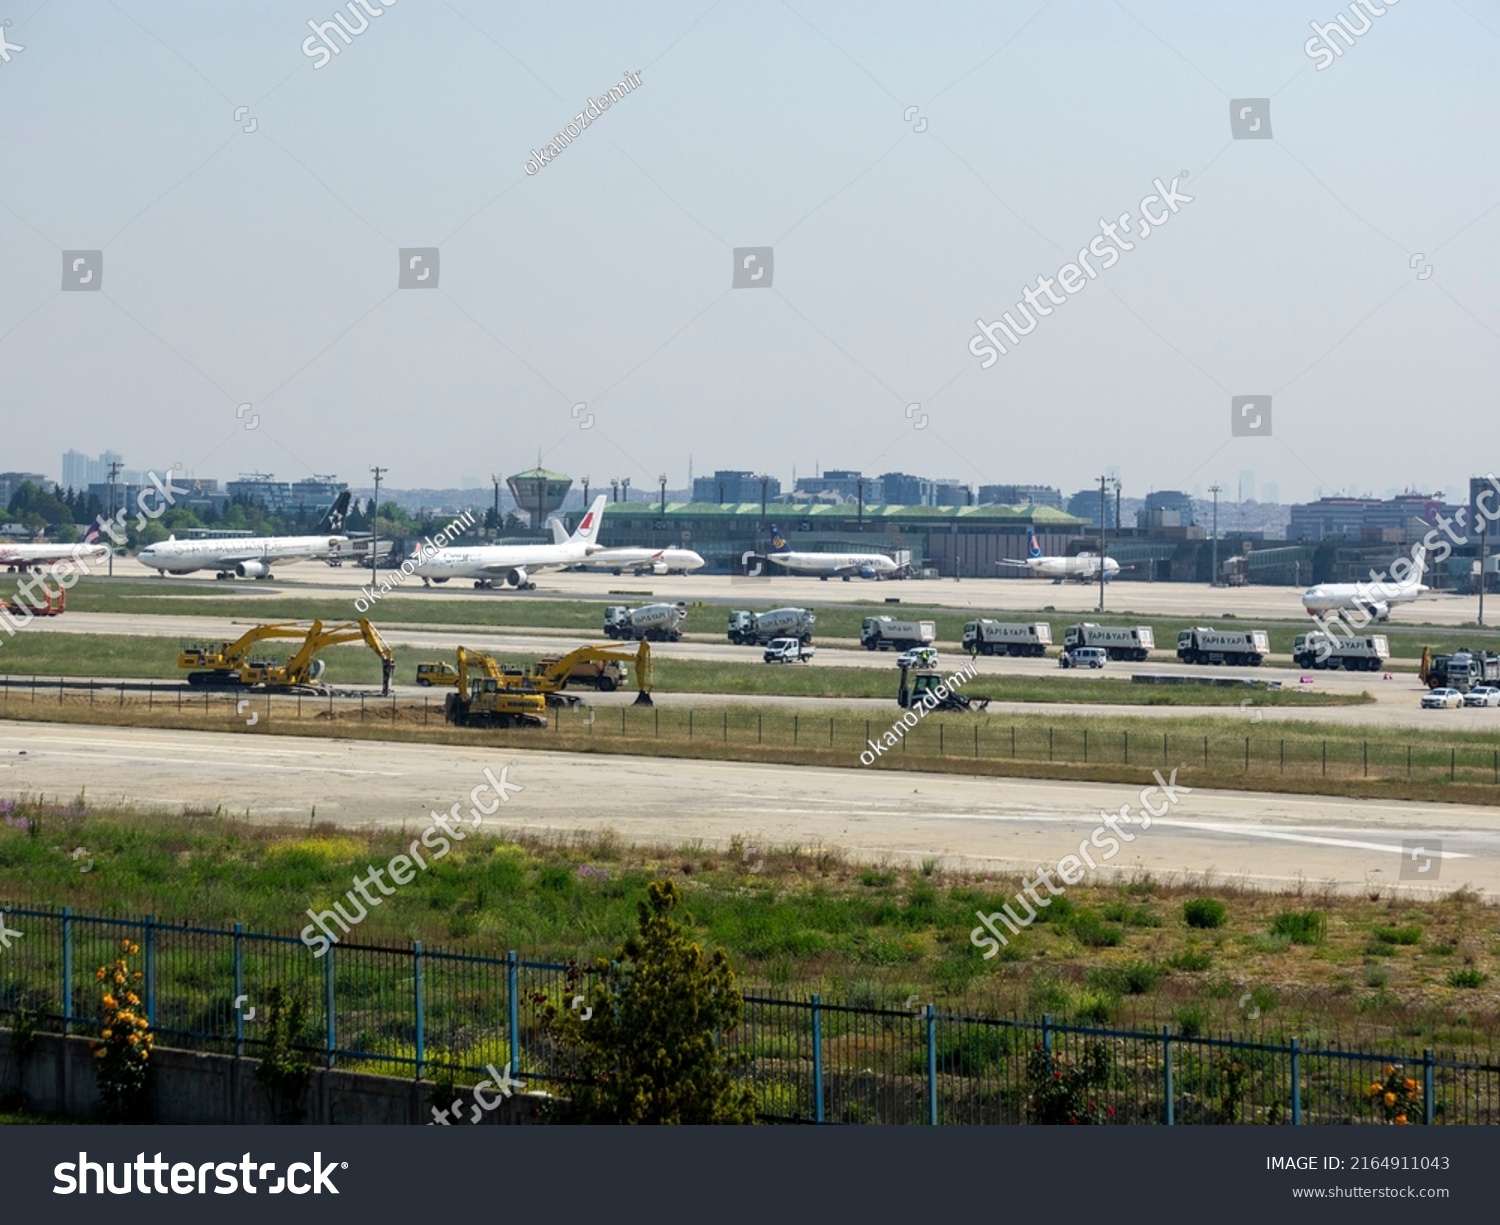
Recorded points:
(991, 739)
(411, 1010)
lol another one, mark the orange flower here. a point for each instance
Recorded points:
(1389, 1068)
(1400, 1118)
(132, 998)
(1375, 1088)
(1389, 1099)
(140, 1022)
(109, 1001)
(99, 1054)
(1411, 1084)
(138, 976)
(125, 944)
(107, 1033)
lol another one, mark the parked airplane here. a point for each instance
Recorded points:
(513, 564)
(825, 565)
(639, 560)
(1374, 598)
(1082, 566)
(34, 556)
(248, 556)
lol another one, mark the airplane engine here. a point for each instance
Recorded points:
(659, 568)
(867, 572)
(516, 577)
(252, 569)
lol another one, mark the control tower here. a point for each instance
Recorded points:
(539, 492)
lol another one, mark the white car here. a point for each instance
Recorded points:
(1482, 695)
(787, 651)
(918, 657)
(1442, 699)
(1083, 657)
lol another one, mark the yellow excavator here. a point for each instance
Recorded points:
(229, 663)
(488, 697)
(597, 666)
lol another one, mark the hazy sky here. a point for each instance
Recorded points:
(261, 267)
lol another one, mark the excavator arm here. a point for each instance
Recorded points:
(555, 674)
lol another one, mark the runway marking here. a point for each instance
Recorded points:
(178, 761)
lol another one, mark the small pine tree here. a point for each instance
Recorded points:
(649, 1050)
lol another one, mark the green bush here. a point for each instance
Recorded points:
(1089, 930)
(1399, 935)
(1190, 960)
(1204, 912)
(1301, 926)
(1132, 978)
(1468, 978)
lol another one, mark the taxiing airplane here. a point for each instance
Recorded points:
(513, 564)
(639, 560)
(248, 556)
(1081, 566)
(1373, 598)
(25, 557)
(825, 565)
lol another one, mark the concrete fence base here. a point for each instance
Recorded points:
(193, 1088)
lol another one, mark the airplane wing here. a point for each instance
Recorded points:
(1011, 561)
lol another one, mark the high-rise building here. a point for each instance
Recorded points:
(1020, 495)
(1246, 486)
(733, 485)
(843, 485)
(1270, 493)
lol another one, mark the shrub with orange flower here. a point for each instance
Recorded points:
(1398, 1097)
(122, 1052)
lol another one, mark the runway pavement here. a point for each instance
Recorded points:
(1258, 840)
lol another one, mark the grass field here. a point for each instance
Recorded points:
(801, 918)
(466, 608)
(107, 656)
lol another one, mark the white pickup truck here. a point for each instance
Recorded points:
(788, 651)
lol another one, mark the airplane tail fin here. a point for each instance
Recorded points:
(559, 532)
(778, 541)
(1419, 564)
(92, 535)
(332, 523)
(587, 531)
(1032, 548)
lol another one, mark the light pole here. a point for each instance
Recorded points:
(375, 521)
(859, 521)
(585, 493)
(624, 489)
(662, 481)
(114, 471)
(1213, 578)
(614, 489)
(495, 480)
(1103, 521)
(1484, 552)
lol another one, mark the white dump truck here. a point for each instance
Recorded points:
(654, 622)
(884, 633)
(1118, 641)
(1002, 638)
(754, 629)
(1318, 650)
(1202, 645)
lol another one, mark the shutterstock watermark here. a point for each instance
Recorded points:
(504, 1082)
(1406, 570)
(1114, 237)
(318, 46)
(571, 131)
(1106, 839)
(1330, 50)
(438, 838)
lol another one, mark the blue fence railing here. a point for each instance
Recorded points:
(408, 1010)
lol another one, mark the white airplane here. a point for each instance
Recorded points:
(513, 564)
(25, 557)
(1082, 566)
(1374, 598)
(248, 556)
(636, 560)
(825, 565)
